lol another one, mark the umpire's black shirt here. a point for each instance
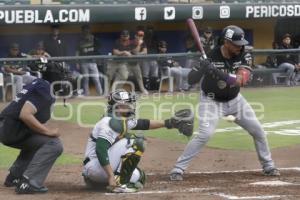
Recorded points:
(214, 85)
(38, 94)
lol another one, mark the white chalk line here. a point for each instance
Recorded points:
(234, 171)
(231, 197)
(264, 125)
(165, 191)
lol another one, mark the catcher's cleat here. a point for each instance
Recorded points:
(26, 188)
(176, 177)
(121, 189)
(11, 181)
(271, 172)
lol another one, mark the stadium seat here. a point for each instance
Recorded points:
(279, 77)
(2, 87)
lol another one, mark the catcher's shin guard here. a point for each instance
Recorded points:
(129, 163)
(130, 160)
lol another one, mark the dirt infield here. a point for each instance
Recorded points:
(229, 174)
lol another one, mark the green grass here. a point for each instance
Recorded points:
(280, 104)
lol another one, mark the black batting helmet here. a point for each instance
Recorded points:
(235, 35)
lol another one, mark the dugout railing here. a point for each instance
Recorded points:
(259, 73)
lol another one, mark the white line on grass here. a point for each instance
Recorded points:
(265, 125)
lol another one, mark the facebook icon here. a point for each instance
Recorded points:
(140, 13)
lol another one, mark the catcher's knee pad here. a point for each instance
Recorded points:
(142, 178)
(139, 145)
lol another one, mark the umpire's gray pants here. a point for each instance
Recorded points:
(37, 156)
(209, 114)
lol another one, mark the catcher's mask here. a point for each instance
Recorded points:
(121, 103)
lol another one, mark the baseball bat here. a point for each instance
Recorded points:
(195, 34)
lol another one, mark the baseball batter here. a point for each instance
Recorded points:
(222, 78)
(112, 154)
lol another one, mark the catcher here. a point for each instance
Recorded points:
(112, 154)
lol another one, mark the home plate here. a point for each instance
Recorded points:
(272, 183)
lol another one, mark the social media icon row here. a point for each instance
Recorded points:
(170, 13)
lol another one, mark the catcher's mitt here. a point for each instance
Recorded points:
(183, 120)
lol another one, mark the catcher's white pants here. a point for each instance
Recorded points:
(94, 171)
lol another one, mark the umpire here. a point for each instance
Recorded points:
(22, 127)
(222, 78)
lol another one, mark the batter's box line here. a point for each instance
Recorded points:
(231, 197)
(231, 172)
(195, 190)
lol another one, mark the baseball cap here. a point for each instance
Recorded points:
(287, 35)
(40, 45)
(14, 46)
(162, 43)
(208, 30)
(124, 33)
(235, 35)
(140, 33)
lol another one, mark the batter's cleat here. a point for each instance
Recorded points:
(11, 181)
(176, 177)
(26, 188)
(271, 172)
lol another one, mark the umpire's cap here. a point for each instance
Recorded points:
(235, 35)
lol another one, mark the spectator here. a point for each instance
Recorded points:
(89, 45)
(39, 51)
(208, 40)
(120, 69)
(287, 62)
(150, 67)
(20, 72)
(191, 48)
(54, 45)
(138, 47)
(172, 68)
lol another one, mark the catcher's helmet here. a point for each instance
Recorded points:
(121, 97)
(235, 35)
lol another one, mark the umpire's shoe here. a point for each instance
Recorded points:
(271, 172)
(26, 188)
(11, 181)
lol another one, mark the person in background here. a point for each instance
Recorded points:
(172, 68)
(39, 51)
(119, 70)
(150, 67)
(138, 47)
(208, 40)
(54, 44)
(89, 45)
(21, 75)
(288, 62)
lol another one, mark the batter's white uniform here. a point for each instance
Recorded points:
(93, 170)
